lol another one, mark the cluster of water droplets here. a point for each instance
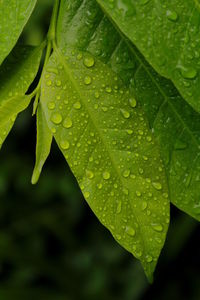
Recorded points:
(105, 138)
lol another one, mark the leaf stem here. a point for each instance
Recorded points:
(49, 41)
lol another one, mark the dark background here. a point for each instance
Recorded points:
(51, 244)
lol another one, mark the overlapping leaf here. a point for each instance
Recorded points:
(16, 75)
(175, 124)
(43, 146)
(13, 16)
(167, 34)
(104, 136)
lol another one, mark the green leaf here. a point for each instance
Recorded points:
(175, 124)
(105, 138)
(16, 75)
(167, 34)
(43, 147)
(13, 16)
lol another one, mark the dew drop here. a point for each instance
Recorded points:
(138, 193)
(129, 131)
(58, 83)
(157, 227)
(149, 258)
(49, 83)
(67, 122)
(125, 113)
(87, 80)
(125, 191)
(157, 185)
(189, 73)
(89, 174)
(64, 145)
(108, 89)
(171, 15)
(126, 173)
(99, 186)
(118, 236)
(144, 205)
(119, 207)
(106, 175)
(56, 118)
(51, 105)
(132, 102)
(87, 195)
(130, 231)
(149, 138)
(89, 62)
(77, 105)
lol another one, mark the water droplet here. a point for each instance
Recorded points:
(171, 15)
(118, 237)
(108, 89)
(67, 122)
(89, 61)
(49, 83)
(144, 205)
(106, 175)
(157, 227)
(77, 105)
(119, 207)
(87, 195)
(125, 191)
(51, 105)
(138, 193)
(129, 131)
(99, 186)
(132, 102)
(157, 185)
(189, 73)
(149, 258)
(64, 145)
(125, 113)
(96, 95)
(126, 173)
(149, 138)
(58, 83)
(87, 80)
(130, 231)
(89, 174)
(56, 118)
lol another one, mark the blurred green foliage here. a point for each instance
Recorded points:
(51, 244)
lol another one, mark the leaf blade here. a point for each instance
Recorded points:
(13, 16)
(151, 90)
(43, 145)
(88, 138)
(16, 74)
(146, 23)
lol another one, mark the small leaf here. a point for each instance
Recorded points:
(16, 74)
(13, 16)
(110, 150)
(43, 147)
(167, 34)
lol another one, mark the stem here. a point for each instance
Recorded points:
(50, 40)
(51, 35)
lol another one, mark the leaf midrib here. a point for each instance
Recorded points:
(165, 97)
(93, 121)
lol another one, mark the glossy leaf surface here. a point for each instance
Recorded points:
(13, 16)
(16, 75)
(43, 146)
(167, 34)
(105, 138)
(175, 124)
